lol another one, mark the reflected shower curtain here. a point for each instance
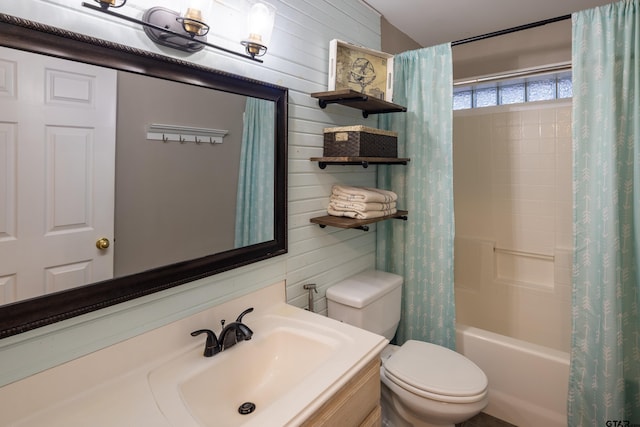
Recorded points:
(604, 384)
(254, 205)
(421, 250)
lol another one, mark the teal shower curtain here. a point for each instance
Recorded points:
(255, 196)
(604, 384)
(421, 250)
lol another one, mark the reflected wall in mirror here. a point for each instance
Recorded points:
(176, 201)
(178, 210)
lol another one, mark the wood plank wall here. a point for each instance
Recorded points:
(298, 59)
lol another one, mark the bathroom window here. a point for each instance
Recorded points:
(485, 97)
(514, 91)
(541, 90)
(462, 99)
(565, 87)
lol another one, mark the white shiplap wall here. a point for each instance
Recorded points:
(298, 60)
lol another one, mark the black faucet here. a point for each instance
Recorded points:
(214, 345)
(235, 332)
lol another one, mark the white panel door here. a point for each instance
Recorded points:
(57, 165)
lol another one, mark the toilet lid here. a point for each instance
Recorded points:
(432, 370)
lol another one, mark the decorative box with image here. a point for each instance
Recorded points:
(361, 69)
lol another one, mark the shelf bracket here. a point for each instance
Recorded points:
(324, 102)
(363, 163)
(360, 227)
(322, 164)
(366, 113)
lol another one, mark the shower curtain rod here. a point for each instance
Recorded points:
(511, 30)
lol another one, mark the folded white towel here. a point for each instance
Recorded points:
(344, 205)
(361, 215)
(363, 194)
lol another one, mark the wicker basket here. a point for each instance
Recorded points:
(360, 141)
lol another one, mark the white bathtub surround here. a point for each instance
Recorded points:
(536, 310)
(112, 387)
(513, 197)
(527, 382)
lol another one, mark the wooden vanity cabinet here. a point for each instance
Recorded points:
(356, 404)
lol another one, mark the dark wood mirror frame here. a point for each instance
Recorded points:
(30, 36)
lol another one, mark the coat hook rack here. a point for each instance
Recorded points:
(184, 134)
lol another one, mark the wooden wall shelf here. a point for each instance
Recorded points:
(353, 99)
(368, 105)
(360, 224)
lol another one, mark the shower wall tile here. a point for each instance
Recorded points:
(547, 144)
(548, 129)
(531, 131)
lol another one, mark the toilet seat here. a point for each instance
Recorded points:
(435, 372)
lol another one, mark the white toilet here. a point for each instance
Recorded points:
(423, 384)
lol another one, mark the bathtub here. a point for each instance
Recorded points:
(527, 382)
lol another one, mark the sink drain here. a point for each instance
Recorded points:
(247, 408)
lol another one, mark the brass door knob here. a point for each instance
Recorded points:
(102, 244)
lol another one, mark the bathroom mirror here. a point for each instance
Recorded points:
(131, 65)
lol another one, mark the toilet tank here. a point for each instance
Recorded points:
(370, 300)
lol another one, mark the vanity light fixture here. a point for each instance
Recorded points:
(106, 4)
(193, 17)
(260, 20)
(185, 30)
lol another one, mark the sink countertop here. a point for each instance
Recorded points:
(111, 386)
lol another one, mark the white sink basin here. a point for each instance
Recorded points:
(294, 364)
(258, 371)
(283, 362)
